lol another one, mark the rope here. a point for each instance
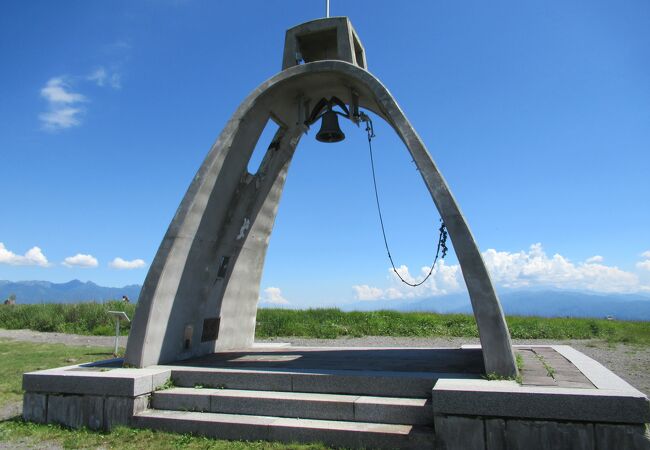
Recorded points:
(442, 237)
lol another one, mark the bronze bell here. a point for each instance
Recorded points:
(330, 131)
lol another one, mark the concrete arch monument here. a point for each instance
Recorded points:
(201, 293)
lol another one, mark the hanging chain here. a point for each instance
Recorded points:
(441, 250)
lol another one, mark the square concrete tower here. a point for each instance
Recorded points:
(323, 39)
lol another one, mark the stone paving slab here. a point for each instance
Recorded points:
(509, 399)
(544, 366)
(106, 381)
(376, 383)
(597, 374)
(581, 389)
(338, 433)
(438, 360)
(392, 410)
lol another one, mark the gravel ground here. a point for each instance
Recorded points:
(61, 338)
(9, 410)
(28, 443)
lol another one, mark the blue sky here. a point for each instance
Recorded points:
(537, 113)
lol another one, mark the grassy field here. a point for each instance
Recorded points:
(78, 318)
(91, 318)
(20, 357)
(332, 323)
(35, 436)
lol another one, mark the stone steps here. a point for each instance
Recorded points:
(349, 408)
(366, 383)
(254, 427)
(353, 408)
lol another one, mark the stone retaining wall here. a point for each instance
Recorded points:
(95, 412)
(98, 396)
(493, 433)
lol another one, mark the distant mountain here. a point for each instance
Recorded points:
(70, 292)
(442, 304)
(529, 303)
(577, 304)
(547, 303)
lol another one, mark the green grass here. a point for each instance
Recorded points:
(127, 438)
(20, 357)
(77, 318)
(550, 370)
(333, 323)
(519, 361)
(91, 318)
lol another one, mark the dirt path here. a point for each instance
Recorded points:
(61, 338)
(30, 443)
(10, 410)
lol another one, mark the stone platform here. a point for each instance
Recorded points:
(435, 361)
(355, 397)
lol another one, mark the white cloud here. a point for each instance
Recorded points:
(646, 254)
(535, 268)
(81, 260)
(273, 296)
(595, 259)
(365, 292)
(57, 91)
(116, 81)
(524, 269)
(122, 264)
(101, 77)
(63, 105)
(61, 118)
(445, 279)
(33, 257)
(392, 293)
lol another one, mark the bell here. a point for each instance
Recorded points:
(329, 129)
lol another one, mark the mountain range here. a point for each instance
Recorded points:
(70, 292)
(545, 303)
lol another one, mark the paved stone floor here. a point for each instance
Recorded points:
(542, 366)
(434, 360)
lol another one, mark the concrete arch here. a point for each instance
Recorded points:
(201, 292)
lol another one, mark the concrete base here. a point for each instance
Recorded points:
(576, 404)
(389, 398)
(98, 395)
(83, 411)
